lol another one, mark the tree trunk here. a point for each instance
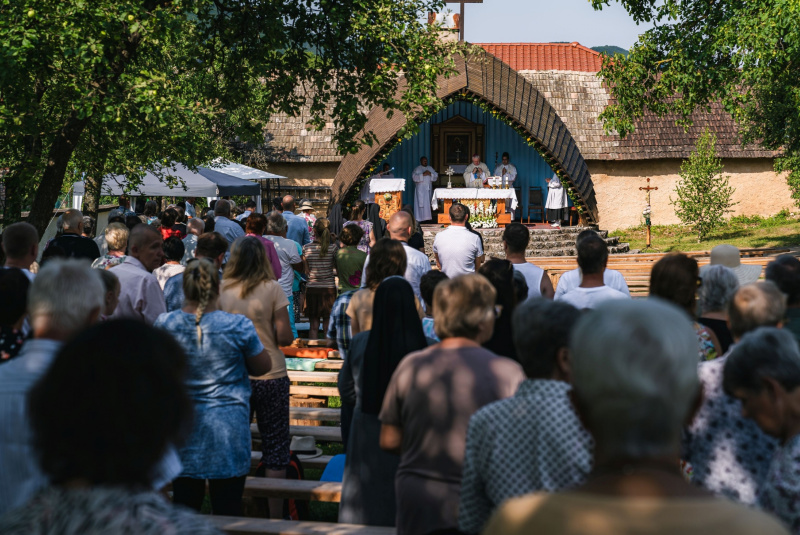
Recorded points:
(93, 183)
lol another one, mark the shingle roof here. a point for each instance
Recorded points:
(545, 56)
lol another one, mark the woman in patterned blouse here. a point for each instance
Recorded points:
(357, 218)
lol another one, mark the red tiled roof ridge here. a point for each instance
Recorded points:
(545, 56)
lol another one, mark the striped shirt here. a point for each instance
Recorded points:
(320, 268)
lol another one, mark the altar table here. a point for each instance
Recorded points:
(502, 196)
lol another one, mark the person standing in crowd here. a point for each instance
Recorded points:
(222, 350)
(180, 223)
(210, 245)
(572, 279)
(194, 228)
(150, 212)
(249, 288)
(297, 229)
(168, 220)
(417, 239)
(763, 373)
(634, 408)
(290, 258)
(784, 272)
(249, 208)
(191, 210)
(21, 247)
(714, 296)
(14, 296)
(676, 278)
(124, 205)
(506, 170)
(111, 295)
(458, 251)
(557, 203)
(255, 226)
(321, 290)
(357, 218)
(209, 223)
(592, 260)
(64, 298)
(71, 241)
(500, 274)
(230, 230)
(538, 427)
(368, 495)
(350, 260)
(339, 336)
(427, 286)
(307, 213)
(423, 176)
(516, 237)
(117, 215)
(418, 264)
(99, 450)
(719, 429)
(426, 409)
(173, 254)
(88, 227)
(141, 296)
(116, 235)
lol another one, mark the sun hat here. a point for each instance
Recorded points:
(729, 256)
(305, 447)
(306, 205)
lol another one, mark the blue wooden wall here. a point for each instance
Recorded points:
(498, 137)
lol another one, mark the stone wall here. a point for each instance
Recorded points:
(759, 190)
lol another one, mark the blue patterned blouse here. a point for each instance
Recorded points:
(219, 445)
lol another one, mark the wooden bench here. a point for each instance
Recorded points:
(315, 463)
(329, 364)
(298, 489)
(251, 526)
(308, 390)
(313, 377)
(323, 414)
(321, 433)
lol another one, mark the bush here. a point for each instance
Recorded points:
(703, 194)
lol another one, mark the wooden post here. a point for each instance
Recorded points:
(461, 24)
(648, 189)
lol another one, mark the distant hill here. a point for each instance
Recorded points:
(610, 50)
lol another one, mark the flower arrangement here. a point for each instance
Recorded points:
(387, 196)
(483, 213)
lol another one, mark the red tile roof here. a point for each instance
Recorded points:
(545, 56)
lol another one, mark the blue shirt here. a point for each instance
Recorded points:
(298, 229)
(230, 230)
(218, 383)
(339, 325)
(173, 292)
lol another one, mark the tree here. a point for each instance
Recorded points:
(744, 55)
(112, 86)
(703, 194)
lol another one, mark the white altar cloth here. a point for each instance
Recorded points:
(474, 193)
(387, 185)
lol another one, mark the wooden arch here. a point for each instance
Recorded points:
(485, 77)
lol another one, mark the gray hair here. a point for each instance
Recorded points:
(72, 219)
(764, 352)
(66, 292)
(635, 376)
(223, 208)
(541, 328)
(196, 224)
(760, 304)
(276, 223)
(719, 286)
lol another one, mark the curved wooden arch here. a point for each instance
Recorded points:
(492, 81)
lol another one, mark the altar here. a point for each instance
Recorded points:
(487, 206)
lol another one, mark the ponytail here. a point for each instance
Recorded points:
(200, 285)
(322, 233)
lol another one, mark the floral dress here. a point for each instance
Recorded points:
(707, 350)
(310, 220)
(366, 226)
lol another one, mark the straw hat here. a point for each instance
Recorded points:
(305, 448)
(728, 256)
(306, 205)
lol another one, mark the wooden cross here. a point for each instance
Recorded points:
(648, 189)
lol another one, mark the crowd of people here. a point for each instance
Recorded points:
(476, 396)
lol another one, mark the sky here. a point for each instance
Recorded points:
(543, 21)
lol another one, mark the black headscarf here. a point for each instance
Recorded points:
(374, 216)
(396, 332)
(501, 275)
(335, 218)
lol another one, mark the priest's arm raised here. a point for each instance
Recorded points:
(470, 178)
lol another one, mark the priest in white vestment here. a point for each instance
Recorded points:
(368, 197)
(423, 176)
(557, 202)
(476, 174)
(506, 170)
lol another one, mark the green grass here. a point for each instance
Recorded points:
(781, 230)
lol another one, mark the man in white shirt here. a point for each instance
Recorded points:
(515, 241)
(141, 297)
(288, 255)
(194, 229)
(423, 176)
(417, 264)
(476, 174)
(507, 170)
(572, 279)
(21, 247)
(191, 211)
(457, 250)
(592, 260)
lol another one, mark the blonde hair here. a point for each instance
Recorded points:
(461, 305)
(117, 236)
(200, 285)
(322, 234)
(248, 266)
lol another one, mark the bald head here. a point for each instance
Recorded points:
(195, 226)
(399, 226)
(142, 234)
(72, 221)
(288, 204)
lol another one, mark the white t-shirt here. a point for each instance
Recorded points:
(288, 255)
(582, 298)
(457, 249)
(417, 264)
(572, 279)
(533, 276)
